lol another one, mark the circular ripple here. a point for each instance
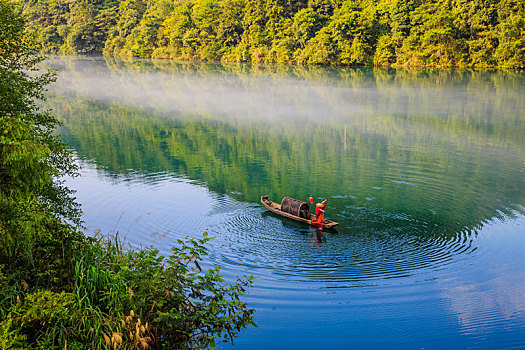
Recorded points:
(280, 249)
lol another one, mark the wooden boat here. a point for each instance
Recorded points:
(276, 208)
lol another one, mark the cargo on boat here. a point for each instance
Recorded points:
(296, 210)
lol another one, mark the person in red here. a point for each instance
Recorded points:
(319, 214)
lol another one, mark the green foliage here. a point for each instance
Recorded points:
(325, 8)
(10, 337)
(34, 207)
(35, 239)
(385, 54)
(320, 50)
(510, 53)
(131, 297)
(434, 39)
(182, 302)
(306, 23)
(480, 33)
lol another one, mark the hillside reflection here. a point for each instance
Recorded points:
(432, 153)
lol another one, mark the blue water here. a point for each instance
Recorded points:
(424, 171)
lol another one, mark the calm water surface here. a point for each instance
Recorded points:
(425, 171)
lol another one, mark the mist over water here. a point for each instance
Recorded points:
(424, 171)
(245, 92)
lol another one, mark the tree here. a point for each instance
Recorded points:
(306, 23)
(325, 8)
(511, 34)
(400, 16)
(34, 207)
(352, 33)
(229, 29)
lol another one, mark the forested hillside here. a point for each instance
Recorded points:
(439, 33)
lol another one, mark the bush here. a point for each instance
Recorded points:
(131, 299)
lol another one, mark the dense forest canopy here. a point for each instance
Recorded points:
(398, 33)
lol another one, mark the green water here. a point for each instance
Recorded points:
(424, 171)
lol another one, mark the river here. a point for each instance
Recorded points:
(424, 171)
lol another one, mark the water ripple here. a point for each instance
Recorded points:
(281, 250)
